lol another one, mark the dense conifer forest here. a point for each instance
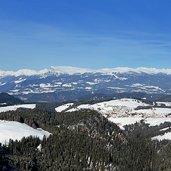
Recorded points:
(83, 140)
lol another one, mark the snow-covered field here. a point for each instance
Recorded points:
(121, 108)
(125, 112)
(16, 131)
(112, 107)
(15, 107)
(154, 112)
(122, 121)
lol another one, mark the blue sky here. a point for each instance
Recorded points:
(37, 34)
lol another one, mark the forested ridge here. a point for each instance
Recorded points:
(83, 140)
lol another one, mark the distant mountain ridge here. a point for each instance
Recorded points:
(75, 70)
(65, 84)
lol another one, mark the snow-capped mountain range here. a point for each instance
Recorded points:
(58, 84)
(75, 70)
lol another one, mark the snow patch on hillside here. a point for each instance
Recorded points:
(20, 80)
(122, 121)
(15, 107)
(166, 136)
(16, 131)
(63, 107)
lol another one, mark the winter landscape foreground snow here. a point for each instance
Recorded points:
(15, 130)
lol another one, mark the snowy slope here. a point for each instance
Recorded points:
(63, 107)
(15, 107)
(166, 136)
(16, 131)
